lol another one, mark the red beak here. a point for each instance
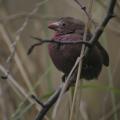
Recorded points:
(53, 25)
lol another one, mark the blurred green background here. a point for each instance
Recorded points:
(35, 74)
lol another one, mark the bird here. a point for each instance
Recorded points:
(64, 55)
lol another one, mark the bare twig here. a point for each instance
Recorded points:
(8, 38)
(41, 41)
(37, 101)
(83, 7)
(67, 84)
(80, 63)
(18, 34)
(55, 96)
(23, 15)
(49, 104)
(9, 61)
(16, 85)
(99, 30)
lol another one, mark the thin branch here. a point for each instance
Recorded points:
(67, 83)
(16, 85)
(8, 62)
(37, 101)
(24, 15)
(78, 81)
(51, 101)
(83, 7)
(8, 38)
(41, 41)
(18, 34)
(37, 6)
(101, 27)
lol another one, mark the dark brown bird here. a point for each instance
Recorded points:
(64, 56)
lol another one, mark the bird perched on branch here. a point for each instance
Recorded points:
(65, 55)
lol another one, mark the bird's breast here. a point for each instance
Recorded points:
(64, 56)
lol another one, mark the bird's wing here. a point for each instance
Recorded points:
(104, 54)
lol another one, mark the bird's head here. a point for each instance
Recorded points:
(66, 25)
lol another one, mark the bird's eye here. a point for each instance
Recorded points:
(63, 24)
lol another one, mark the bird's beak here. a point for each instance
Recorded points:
(54, 25)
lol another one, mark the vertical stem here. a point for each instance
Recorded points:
(78, 81)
